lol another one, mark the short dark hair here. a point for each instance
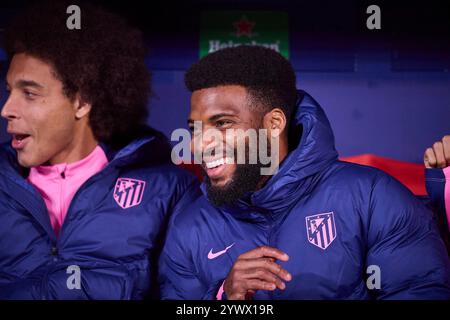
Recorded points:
(268, 77)
(103, 62)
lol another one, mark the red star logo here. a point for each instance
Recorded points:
(244, 27)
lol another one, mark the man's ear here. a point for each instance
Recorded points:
(275, 122)
(82, 108)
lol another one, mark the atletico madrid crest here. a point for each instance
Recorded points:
(321, 229)
(128, 192)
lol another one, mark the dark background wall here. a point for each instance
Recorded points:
(386, 91)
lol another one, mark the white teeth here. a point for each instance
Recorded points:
(215, 163)
(218, 162)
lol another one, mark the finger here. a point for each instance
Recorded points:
(265, 251)
(238, 290)
(446, 146)
(265, 275)
(438, 149)
(263, 263)
(429, 158)
(257, 284)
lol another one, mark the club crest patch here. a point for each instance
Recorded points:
(128, 192)
(321, 229)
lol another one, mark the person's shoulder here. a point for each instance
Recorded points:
(356, 175)
(197, 214)
(357, 171)
(164, 174)
(7, 157)
(373, 181)
(170, 171)
(6, 152)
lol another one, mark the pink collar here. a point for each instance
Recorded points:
(58, 183)
(95, 159)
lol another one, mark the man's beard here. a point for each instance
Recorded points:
(246, 178)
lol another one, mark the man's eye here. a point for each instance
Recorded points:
(222, 123)
(29, 94)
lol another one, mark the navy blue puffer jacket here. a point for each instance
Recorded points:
(111, 233)
(343, 226)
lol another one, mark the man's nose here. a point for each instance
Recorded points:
(207, 142)
(199, 143)
(9, 110)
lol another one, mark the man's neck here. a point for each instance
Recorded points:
(283, 151)
(79, 148)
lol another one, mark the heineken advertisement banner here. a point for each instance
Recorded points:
(223, 29)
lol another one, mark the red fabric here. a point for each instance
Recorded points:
(193, 168)
(412, 175)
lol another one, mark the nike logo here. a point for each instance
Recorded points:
(212, 255)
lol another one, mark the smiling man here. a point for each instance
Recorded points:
(85, 188)
(318, 228)
(227, 179)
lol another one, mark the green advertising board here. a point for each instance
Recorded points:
(223, 29)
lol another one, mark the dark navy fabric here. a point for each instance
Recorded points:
(114, 248)
(378, 224)
(435, 183)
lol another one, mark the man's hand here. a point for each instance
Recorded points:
(439, 155)
(256, 270)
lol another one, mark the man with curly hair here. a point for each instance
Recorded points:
(318, 228)
(85, 188)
